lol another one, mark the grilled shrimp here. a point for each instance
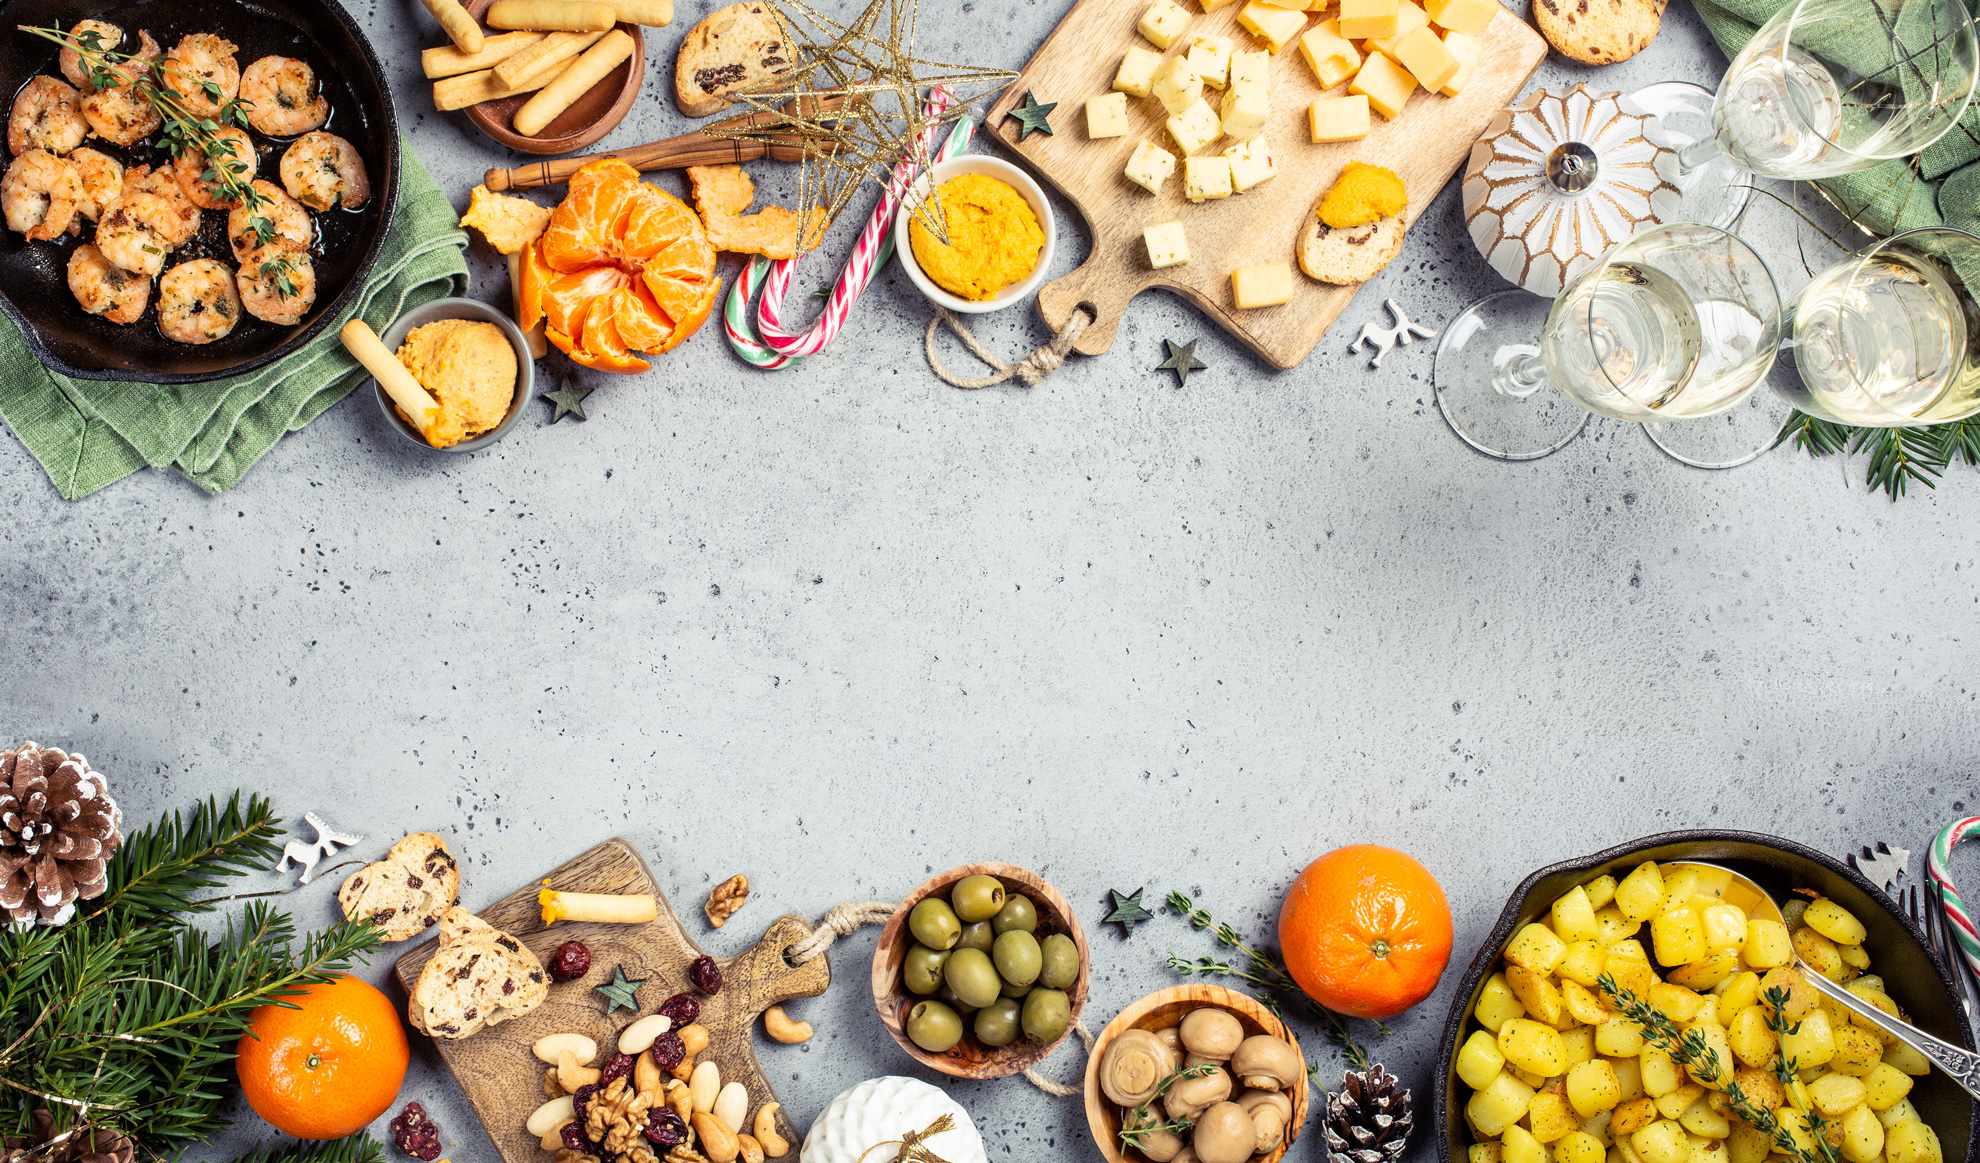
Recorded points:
(321, 167)
(199, 173)
(289, 224)
(107, 37)
(126, 240)
(278, 285)
(120, 114)
(282, 97)
(158, 201)
(106, 289)
(39, 194)
(197, 302)
(47, 115)
(102, 181)
(202, 70)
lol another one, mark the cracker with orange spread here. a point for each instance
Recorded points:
(722, 193)
(509, 223)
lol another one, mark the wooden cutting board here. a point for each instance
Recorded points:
(503, 1081)
(1426, 145)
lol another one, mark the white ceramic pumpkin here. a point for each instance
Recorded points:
(881, 1110)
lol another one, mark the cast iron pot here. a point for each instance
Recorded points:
(1913, 977)
(34, 286)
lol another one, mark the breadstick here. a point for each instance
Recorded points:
(652, 13)
(543, 57)
(474, 88)
(448, 61)
(363, 343)
(597, 62)
(538, 345)
(459, 26)
(552, 15)
(634, 909)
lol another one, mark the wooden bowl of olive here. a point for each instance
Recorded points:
(981, 972)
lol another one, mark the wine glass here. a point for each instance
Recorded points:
(1679, 322)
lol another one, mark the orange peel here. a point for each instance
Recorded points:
(722, 193)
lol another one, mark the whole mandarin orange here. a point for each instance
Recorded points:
(1366, 931)
(326, 1067)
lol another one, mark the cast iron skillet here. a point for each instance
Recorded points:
(34, 287)
(1913, 977)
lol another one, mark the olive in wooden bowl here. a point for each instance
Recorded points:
(981, 972)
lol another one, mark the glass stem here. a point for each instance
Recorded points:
(1698, 153)
(1519, 373)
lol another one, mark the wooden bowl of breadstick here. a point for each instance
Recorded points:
(551, 76)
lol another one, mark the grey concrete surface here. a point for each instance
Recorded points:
(843, 627)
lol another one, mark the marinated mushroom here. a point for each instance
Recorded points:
(1186, 1155)
(1251, 1100)
(1156, 1141)
(1189, 1097)
(1172, 1038)
(1224, 1134)
(1263, 1062)
(1211, 1034)
(1133, 1066)
(1270, 1111)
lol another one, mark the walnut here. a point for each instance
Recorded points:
(726, 899)
(639, 1153)
(685, 1154)
(551, 1087)
(566, 1155)
(616, 1117)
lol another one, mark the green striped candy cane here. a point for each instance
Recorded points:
(1938, 866)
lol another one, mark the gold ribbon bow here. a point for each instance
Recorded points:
(913, 1150)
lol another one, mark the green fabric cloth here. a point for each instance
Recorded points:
(91, 433)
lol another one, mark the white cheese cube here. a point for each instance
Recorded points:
(1467, 49)
(1265, 286)
(1194, 128)
(1244, 113)
(1277, 25)
(1150, 166)
(1166, 245)
(1339, 118)
(1163, 23)
(1176, 85)
(1106, 115)
(1205, 178)
(1210, 59)
(1251, 163)
(1248, 68)
(1136, 75)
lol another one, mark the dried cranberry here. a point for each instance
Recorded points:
(574, 1138)
(668, 1051)
(617, 1066)
(415, 1134)
(681, 1009)
(705, 975)
(572, 961)
(581, 1099)
(665, 1127)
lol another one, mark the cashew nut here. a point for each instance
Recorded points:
(549, 1046)
(694, 1039)
(765, 1128)
(641, 1034)
(553, 1139)
(715, 1138)
(680, 1099)
(647, 1076)
(752, 1151)
(732, 1104)
(550, 1114)
(779, 1025)
(705, 1086)
(571, 1075)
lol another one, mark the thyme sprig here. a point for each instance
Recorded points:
(1688, 1048)
(1136, 1123)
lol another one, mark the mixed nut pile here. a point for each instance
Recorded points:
(1201, 1091)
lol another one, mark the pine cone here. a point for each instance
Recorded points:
(58, 829)
(1368, 1119)
(94, 1146)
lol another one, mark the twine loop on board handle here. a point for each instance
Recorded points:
(1032, 368)
(846, 918)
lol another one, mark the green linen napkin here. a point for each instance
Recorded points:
(91, 433)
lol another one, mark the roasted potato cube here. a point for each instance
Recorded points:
(1629, 964)
(1498, 1104)
(1767, 944)
(1714, 1070)
(1631, 1116)
(1574, 916)
(1522, 1147)
(1679, 887)
(1857, 1051)
(1678, 1101)
(1678, 936)
(1753, 1039)
(1801, 996)
(1662, 1142)
(1912, 1142)
(1661, 1074)
(1492, 1152)
(1795, 1123)
(1614, 926)
(1897, 1112)
(1497, 1004)
(1537, 994)
(1819, 952)
(1592, 1087)
(1747, 1144)
(1580, 1043)
(1618, 1037)
(1629, 1076)
(1600, 891)
(1700, 1119)
(1833, 1094)
(1585, 1006)
(1908, 1060)
(1479, 1060)
(1532, 1046)
(1813, 1041)
(1834, 922)
(1725, 925)
(1885, 1086)
(1708, 973)
(1761, 1086)
(1597, 1127)
(1874, 994)
(1579, 1147)
(1855, 956)
(1638, 896)
(1674, 1001)
(1536, 947)
(1863, 1136)
(1550, 1116)
(1737, 992)
(1582, 964)
(1532, 1080)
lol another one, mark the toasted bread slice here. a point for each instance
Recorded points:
(1352, 255)
(480, 976)
(733, 48)
(406, 892)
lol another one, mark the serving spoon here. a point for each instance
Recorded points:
(1962, 1066)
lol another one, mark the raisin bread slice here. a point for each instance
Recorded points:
(406, 892)
(733, 48)
(478, 977)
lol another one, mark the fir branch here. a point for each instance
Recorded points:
(157, 870)
(358, 1148)
(1898, 457)
(1813, 435)
(1135, 1124)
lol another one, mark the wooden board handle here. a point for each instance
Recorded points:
(699, 148)
(761, 976)
(1099, 284)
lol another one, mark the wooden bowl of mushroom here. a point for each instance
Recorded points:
(1147, 1070)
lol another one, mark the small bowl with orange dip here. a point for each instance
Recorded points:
(1000, 231)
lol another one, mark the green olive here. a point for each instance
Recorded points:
(977, 898)
(977, 935)
(1018, 957)
(1016, 992)
(997, 1025)
(921, 969)
(1046, 1015)
(973, 977)
(1018, 913)
(934, 924)
(1061, 962)
(948, 997)
(934, 1027)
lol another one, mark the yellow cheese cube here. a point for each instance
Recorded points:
(1210, 59)
(1212, 5)
(1166, 245)
(1386, 84)
(1251, 68)
(1467, 49)
(1339, 118)
(1150, 166)
(1136, 76)
(1409, 18)
(1265, 286)
(1279, 26)
(1176, 85)
(1194, 128)
(1244, 113)
(1319, 5)
(1328, 53)
(1467, 16)
(1289, 5)
(1106, 115)
(1335, 70)
(1360, 19)
(1423, 53)
(1251, 163)
(1163, 23)
(1205, 178)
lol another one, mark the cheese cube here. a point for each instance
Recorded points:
(1166, 245)
(1194, 128)
(1251, 163)
(1467, 16)
(1206, 177)
(1212, 5)
(1289, 5)
(1339, 118)
(1319, 5)
(1467, 49)
(1409, 18)
(1210, 59)
(1386, 84)
(1150, 166)
(1163, 23)
(1423, 53)
(1332, 57)
(1106, 115)
(1265, 286)
(1251, 68)
(1247, 88)
(1360, 19)
(1137, 71)
(1176, 85)
(1277, 25)
(1245, 110)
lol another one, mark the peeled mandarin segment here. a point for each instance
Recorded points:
(642, 324)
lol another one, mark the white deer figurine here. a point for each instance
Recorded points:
(306, 855)
(1382, 339)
